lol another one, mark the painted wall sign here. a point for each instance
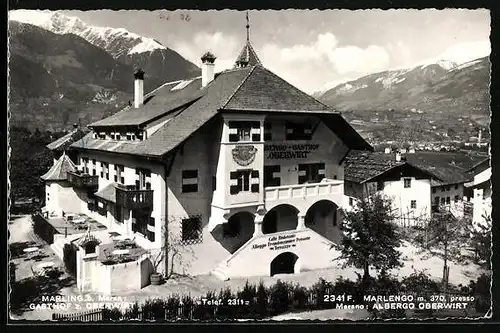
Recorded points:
(281, 242)
(287, 151)
(244, 155)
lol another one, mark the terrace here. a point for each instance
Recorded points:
(82, 180)
(72, 224)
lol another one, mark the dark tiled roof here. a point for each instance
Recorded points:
(247, 57)
(450, 167)
(243, 89)
(265, 91)
(66, 140)
(157, 103)
(361, 166)
(59, 169)
(107, 193)
(480, 166)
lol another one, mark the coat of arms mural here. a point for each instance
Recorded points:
(244, 155)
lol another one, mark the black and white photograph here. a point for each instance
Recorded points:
(261, 165)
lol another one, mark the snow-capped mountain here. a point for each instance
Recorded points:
(116, 41)
(160, 63)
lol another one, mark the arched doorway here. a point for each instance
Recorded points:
(284, 263)
(322, 217)
(238, 230)
(280, 218)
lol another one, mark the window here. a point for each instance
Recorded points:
(456, 198)
(244, 181)
(113, 136)
(189, 181)
(85, 165)
(443, 200)
(119, 178)
(433, 190)
(298, 131)
(351, 202)
(456, 186)
(311, 173)
(94, 167)
(380, 186)
(105, 170)
(102, 135)
(151, 234)
(443, 189)
(436, 201)
(272, 175)
(129, 136)
(140, 220)
(143, 179)
(413, 204)
(407, 182)
(268, 131)
(118, 136)
(214, 183)
(448, 188)
(139, 135)
(448, 201)
(191, 230)
(244, 131)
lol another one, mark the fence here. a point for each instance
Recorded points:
(92, 315)
(43, 228)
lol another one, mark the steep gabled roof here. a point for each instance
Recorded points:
(107, 193)
(361, 166)
(59, 170)
(265, 91)
(245, 89)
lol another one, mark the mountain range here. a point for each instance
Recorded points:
(423, 102)
(63, 71)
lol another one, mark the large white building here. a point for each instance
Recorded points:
(481, 189)
(240, 167)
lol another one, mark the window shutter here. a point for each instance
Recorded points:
(255, 137)
(254, 180)
(233, 137)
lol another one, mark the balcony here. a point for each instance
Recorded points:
(82, 180)
(304, 195)
(130, 197)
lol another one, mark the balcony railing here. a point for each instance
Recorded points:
(130, 197)
(82, 180)
(304, 190)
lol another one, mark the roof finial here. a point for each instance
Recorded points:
(248, 28)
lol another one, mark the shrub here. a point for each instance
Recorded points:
(249, 296)
(172, 307)
(262, 301)
(280, 297)
(132, 312)
(154, 309)
(300, 297)
(69, 258)
(480, 289)
(319, 290)
(111, 314)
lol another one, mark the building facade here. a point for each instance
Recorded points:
(389, 175)
(240, 170)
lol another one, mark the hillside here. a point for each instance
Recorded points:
(55, 80)
(423, 103)
(63, 71)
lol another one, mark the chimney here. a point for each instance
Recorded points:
(398, 156)
(207, 68)
(138, 88)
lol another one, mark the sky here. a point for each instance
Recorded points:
(313, 49)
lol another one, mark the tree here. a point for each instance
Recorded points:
(481, 240)
(370, 237)
(172, 251)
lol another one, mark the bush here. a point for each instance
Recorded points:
(226, 310)
(172, 307)
(111, 314)
(132, 312)
(154, 309)
(480, 289)
(262, 301)
(300, 297)
(280, 297)
(319, 290)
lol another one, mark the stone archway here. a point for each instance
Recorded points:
(280, 218)
(284, 263)
(323, 218)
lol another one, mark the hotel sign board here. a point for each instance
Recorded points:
(281, 242)
(289, 151)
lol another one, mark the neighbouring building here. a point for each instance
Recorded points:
(481, 191)
(241, 169)
(390, 175)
